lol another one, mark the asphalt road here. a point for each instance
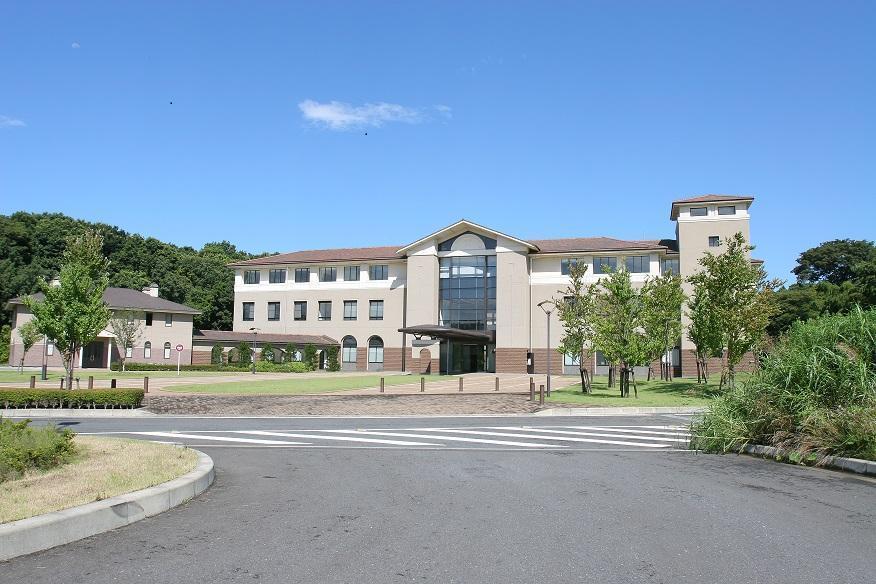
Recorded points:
(541, 510)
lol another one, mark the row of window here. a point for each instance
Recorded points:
(147, 351)
(168, 319)
(351, 310)
(349, 348)
(326, 274)
(722, 210)
(638, 264)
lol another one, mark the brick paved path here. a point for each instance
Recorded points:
(339, 405)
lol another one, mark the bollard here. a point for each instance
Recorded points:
(112, 383)
(497, 384)
(422, 384)
(145, 385)
(91, 382)
(460, 384)
(382, 386)
(32, 381)
(62, 382)
(541, 395)
(531, 389)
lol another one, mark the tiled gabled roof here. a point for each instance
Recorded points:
(592, 244)
(314, 256)
(673, 213)
(123, 298)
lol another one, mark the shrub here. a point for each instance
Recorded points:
(244, 353)
(270, 367)
(23, 448)
(311, 356)
(333, 364)
(290, 352)
(216, 354)
(145, 368)
(77, 398)
(268, 352)
(814, 394)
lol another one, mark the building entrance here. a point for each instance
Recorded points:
(466, 357)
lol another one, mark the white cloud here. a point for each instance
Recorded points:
(337, 115)
(75, 45)
(7, 122)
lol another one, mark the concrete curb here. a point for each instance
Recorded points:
(854, 465)
(74, 413)
(620, 411)
(42, 532)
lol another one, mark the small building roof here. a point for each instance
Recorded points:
(673, 214)
(314, 256)
(211, 336)
(128, 298)
(594, 244)
(465, 224)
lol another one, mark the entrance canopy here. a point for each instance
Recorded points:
(437, 331)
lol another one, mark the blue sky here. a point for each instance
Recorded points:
(538, 119)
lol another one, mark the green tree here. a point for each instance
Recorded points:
(739, 298)
(73, 312)
(834, 261)
(216, 354)
(268, 352)
(29, 335)
(703, 331)
(619, 326)
(125, 328)
(576, 311)
(244, 353)
(663, 298)
(311, 356)
(5, 339)
(290, 351)
(333, 363)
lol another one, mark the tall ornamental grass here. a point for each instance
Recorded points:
(814, 394)
(24, 447)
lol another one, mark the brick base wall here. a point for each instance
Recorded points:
(420, 362)
(34, 357)
(689, 363)
(392, 358)
(510, 360)
(201, 357)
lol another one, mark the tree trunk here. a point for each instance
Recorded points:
(611, 375)
(632, 375)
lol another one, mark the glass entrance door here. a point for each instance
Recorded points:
(462, 357)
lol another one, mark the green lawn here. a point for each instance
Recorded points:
(678, 392)
(10, 376)
(301, 385)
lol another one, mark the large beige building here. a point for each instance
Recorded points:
(464, 298)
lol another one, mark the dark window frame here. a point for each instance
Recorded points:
(299, 273)
(375, 306)
(355, 310)
(598, 264)
(252, 277)
(567, 263)
(325, 271)
(270, 305)
(714, 241)
(699, 211)
(319, 311)
(722, 210)
(644, 262)
(349, 270)
(277, 276)
(299, 310)
(251, 306)
(380, 270)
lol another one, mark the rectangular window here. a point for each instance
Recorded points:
(375, 310)
(699, 211)
(727, 210)
(670, 265)
(252, 276)
(570, 360)
(147, 350)
(300, 310)
(604, 265)
(273, 311)
(325, 310)
(600, 360)
(329, 274)
(350, 310)
(277, 276)
(302, 275)
(167, 350)
(168, 319)
(351, 273)
(129, 352)
(249, 311)
(378, 272)
(714, 241)
(50, 350)
(639, 264)
(148, 319)
(567, 263)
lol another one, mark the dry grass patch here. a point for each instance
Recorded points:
(103, 468)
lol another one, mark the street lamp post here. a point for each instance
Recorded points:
(255, 343)
(547, 311)
(43, 371)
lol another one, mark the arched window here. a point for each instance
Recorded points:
(375, 353)
(147, 350)
(348, 350)
(167, 350)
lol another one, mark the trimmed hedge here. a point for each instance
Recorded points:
(23, 447)
(78, 398)
(261, 366)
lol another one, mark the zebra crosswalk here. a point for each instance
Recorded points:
(566, 437)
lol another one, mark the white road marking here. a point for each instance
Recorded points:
(343, 438)
(217, 438)
(453, 438)
(630, 430)
(559, 438)
(602, 434)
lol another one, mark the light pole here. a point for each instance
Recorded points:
(547, 311)
(255, 343)
(43, 372)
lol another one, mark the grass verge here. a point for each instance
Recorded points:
(676, 393)
(102, 468)
(305, 385)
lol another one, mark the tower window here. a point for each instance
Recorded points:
(714, 241)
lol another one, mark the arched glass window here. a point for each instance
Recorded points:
(147, 350)
(167, 350)
(375, 350)
(348, 350)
